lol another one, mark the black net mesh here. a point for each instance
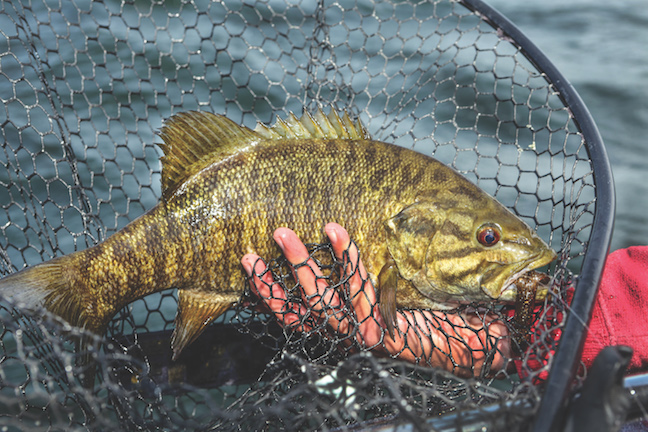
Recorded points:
(86, 85)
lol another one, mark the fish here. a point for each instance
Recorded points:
(430, 238)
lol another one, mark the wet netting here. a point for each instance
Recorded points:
(85, 88)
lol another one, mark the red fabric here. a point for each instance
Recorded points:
(619, 317)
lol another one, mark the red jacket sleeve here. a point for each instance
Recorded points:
(620, 314)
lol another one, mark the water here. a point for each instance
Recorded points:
(600, 47)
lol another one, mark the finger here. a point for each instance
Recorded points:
(315, 288)
(341, 243)
(450, 342)
(261, 280)
(289, 314)
(361, 291)
(355, 269)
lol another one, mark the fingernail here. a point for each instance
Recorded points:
(279, 240)
(332, 235)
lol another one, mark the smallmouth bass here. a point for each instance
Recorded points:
(430, 239)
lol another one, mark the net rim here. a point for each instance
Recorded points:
(552, 410)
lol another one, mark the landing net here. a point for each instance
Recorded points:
(86, 85)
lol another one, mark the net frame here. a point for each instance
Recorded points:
(552, 411)
(64, 126)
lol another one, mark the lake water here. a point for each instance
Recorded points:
(600, 47)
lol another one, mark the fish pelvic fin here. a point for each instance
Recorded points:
(318, 126)
(196, 310)
(193, 140)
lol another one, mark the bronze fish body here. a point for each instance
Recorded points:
(429, 237)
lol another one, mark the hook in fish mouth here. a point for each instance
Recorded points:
(543, 281)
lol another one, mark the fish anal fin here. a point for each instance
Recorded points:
(193, 140)
(196, 310)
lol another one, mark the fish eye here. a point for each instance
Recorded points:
(488, 235)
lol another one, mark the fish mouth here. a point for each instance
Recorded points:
(509, 289)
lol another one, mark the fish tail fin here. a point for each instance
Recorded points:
(45, 285)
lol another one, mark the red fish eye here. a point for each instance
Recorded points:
(488, 235)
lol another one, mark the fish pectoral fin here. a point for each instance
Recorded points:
(387, 285)
(196, 310)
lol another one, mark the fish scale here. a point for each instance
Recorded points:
(226, 188)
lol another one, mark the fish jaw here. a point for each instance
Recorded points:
(508, 292)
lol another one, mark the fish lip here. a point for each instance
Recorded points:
(509, 288)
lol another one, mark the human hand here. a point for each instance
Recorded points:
(468, 344)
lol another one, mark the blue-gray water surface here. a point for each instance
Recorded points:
(600, 47)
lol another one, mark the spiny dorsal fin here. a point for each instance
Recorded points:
(192, 140)
(315, 126)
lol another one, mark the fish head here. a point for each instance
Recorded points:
(477, 254)
(465, 253)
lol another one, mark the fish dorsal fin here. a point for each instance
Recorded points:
(318, 125)
(193, 140)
